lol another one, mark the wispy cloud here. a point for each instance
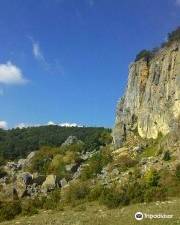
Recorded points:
(178, 2)
(50, 67)
(3, 125)
(37, 51)
(10, 74)
(91, 3)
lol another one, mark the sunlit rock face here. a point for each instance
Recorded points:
(151, 104)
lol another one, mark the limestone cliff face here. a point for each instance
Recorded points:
(151, 103)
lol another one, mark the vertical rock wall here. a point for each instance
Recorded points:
(151, 104)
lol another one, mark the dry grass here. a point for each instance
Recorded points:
(94, 214)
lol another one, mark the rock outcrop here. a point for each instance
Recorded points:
(151, 104)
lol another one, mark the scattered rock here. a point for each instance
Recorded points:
(138, 149)
(70, 140)
(63, 182)
(49, 184)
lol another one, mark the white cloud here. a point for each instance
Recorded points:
(11, 74)
(37, 51)
(69, 125)
(178, 2)
(51, 123)
(3, 125)
(21, 125)
(66, 124)
(25, 125)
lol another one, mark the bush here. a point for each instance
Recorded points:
(152, 178)
(135, 191)
(2, 173)
(112, 198)
(96, 164)
(28, 208)
(57, 166)
(167, 156)
(52, 201)
(177, 172)
(95, 192)
(174, 35)
(42, 160)
(9, 210)
(144, 54)
(125, 162)
(76, 191)
(155, 194)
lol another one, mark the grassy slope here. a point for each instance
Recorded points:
(93, 214)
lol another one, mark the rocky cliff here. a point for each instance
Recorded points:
(151, 104)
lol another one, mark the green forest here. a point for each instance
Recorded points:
(18, 143)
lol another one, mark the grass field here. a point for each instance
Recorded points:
(94, 214)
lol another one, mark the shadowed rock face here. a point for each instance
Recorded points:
(151, 103)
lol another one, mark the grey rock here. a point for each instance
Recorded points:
(49, 184)
(70, 140)
(63, 182)
(27, 178)
(138, 149)
(151, 104)
(69, 167)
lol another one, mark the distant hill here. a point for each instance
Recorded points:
(18, 143)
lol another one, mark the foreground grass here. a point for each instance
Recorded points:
(94, 214)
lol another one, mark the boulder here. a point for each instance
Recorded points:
(30, 156)
(49, 184)
(69, 167)
(138, 149)
(25, 162)
(27, 178)
(63, 182)
(70, 140)
(19, 187)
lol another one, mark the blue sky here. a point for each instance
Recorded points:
(67, 60)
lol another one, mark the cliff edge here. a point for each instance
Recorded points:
(151, 104)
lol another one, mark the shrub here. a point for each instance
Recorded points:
(9, 210)
(42, 160)
(95, 192)
(28, 208)
(174, 35)
(167, 156)
(125, 162)
(76, 191)
(112, 198)
(52, 201)
(2, 173)
(177, 172)
(135, 191)
(144, 54)
(105, 138)
(96, 164)
(152, 178)
(155, 194)
(57, 166)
